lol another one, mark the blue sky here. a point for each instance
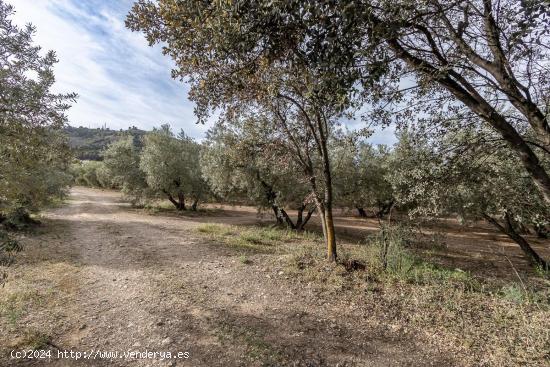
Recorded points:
(120, 80)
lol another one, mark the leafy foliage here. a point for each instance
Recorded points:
(171, 166)
(360, 177)
(35, 155)
(122, 161)
(454, 175)
(91, 173)
(241, 160)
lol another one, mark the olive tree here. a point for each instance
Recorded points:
(91, 173)
(35, 154)
(122, 161)
(237, 161)
(171, 166)
(360, 182)
(477, 60)
(474, 174)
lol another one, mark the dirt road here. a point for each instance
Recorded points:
(103, 277)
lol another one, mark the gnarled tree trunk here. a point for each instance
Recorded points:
(510, 231)
(301, 222)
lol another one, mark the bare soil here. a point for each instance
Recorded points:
(100, 275)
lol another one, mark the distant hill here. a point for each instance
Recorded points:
(89, 143)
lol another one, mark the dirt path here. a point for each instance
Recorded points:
(104, 277)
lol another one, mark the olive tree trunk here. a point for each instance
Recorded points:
(509, 230)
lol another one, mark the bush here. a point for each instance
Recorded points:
(388, 255)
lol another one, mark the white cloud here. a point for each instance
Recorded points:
(120, 80)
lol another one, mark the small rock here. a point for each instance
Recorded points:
(82, 327)
(166, 341)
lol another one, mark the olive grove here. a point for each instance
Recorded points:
(239, 73)
(157, 165)
(468, 76)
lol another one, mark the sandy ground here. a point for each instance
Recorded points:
(109, 278)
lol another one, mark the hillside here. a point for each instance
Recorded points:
(89, 143)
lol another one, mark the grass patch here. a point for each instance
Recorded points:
(485, 322)
(16, 305)
(256, 348)
(245, 260)
(385, 258)
(255, 239)
(34, 339)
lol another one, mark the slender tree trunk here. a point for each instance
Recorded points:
(329, 222)
(300, 218)
(322, 217)
(278, 217)
(362, 212)
(271, 196)
(306, 219)
(509, 230)
(171, 198)
(181, 203)
(331, 235)
(302, 221)
(288, 220)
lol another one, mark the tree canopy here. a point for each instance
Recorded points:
(35, 155)
(242, 160)
(171, 166)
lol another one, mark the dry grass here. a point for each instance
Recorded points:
(30, 302)
(255, 239)
(482, 321)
